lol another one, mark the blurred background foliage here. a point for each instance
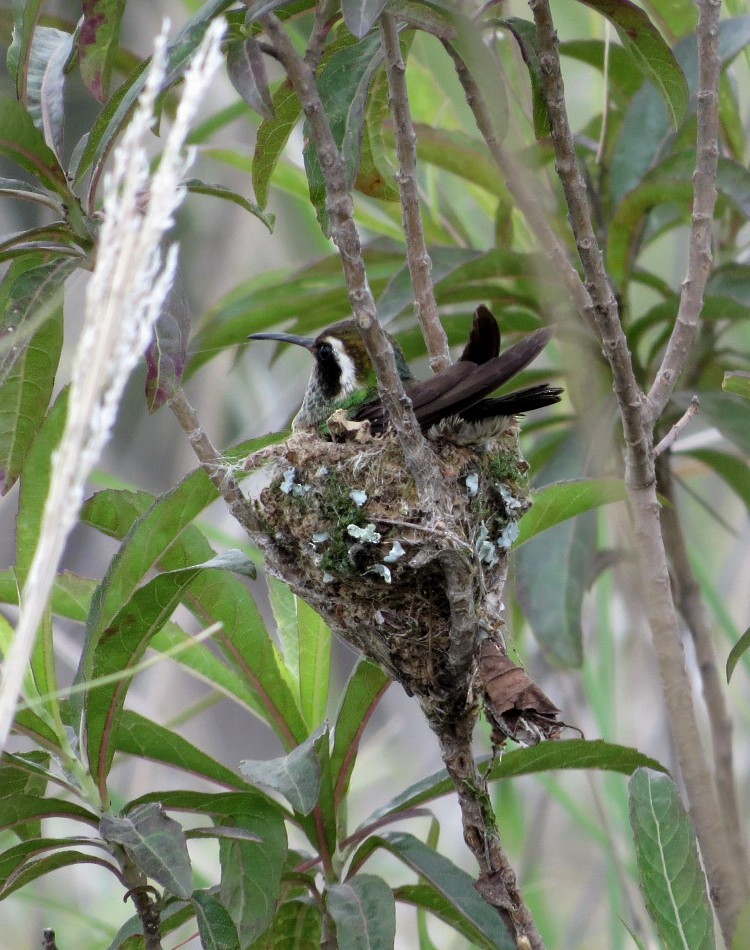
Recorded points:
(254, 257)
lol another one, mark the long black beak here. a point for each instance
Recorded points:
(306, 341)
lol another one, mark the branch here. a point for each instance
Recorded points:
(605, 312)
(669, 438)
(418, 458)
(420, 264)
(693, 612)
(727, 890)
(214, 465)
(704, 202)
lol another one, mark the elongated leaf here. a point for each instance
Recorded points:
(97, 43)
(360, 15)
(122, 644)
(273, 135)
(343, 86)
(156, 843)
(362, 692)
(453, 884)
(363, 912)
(571, 754)
(730, 468)
(21, 808)
(669, 182)
(425, 897)
(247, 73)
(220, 191)
(136, 735)
(555, 503)
(727, 412)
(12, 860)
(24, 144)
(740, 647)
(166, 354)
(51, 50)
(524, 33)
(219, 598)
(296, 775)
(52, 862)
(737, 383)
(671, 876)
(649, 51)
(26, 774)
(114, 116)
(295, 924)
(26, 15)
(315, 643)
(28, 375)
(24, 191)
(217, 931)
(646, 131)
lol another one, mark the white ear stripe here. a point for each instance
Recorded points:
(348, 379)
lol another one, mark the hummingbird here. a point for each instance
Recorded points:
(343, 377)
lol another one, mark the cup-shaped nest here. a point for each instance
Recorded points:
(345, 529)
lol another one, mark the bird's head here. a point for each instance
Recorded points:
(342, 368)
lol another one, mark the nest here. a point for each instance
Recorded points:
(344, 528)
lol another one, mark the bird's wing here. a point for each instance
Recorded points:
(484, 340)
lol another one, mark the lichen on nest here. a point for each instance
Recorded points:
(345, 529)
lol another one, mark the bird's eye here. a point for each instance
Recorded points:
(325, 350)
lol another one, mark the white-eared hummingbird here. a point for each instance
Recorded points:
(343, 375)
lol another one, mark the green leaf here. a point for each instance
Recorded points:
(737, 383)
(272, 136)
(571, 754)
(24, 191)
(646, 133)
(453, 884)
(296, 776)
(172, 916)
(295, 924)
(363, 690)
(363, 912)
(198, 187)
(426, 897)
(115, 114)
(651, 54)
(524, 33)
(23, 808)
(51, 51)
(360, 15)
(26, 773)
(555, 503)
(670, 182)
(552, 572)
(215, 926)
(730, 468)
(215, 598)
(166, 354)
(26, 15)
(24, 144)
(121, 645)
(135, 735)
(671, 877)
(33, 300)
(35, 869)
(740, 647)
(97, 43)
(156, 843)
(741, 937)
(727, 412)
(247, 73)
(314, 663)
(344, 87)
(14, 861)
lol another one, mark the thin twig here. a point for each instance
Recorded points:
(417, 255)
(727, 890)
(669, 438)
(704, 202)
(214, 465)
(417, 456)
(692, 609)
